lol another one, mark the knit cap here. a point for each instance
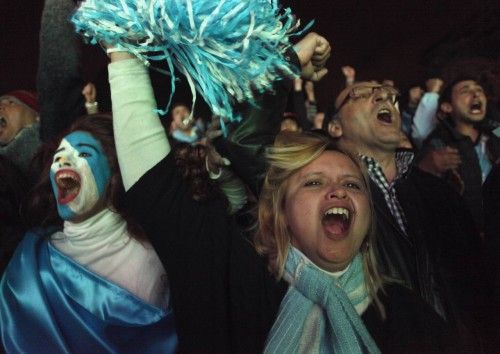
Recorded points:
(29, 98)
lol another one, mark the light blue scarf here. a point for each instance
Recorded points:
(318, 313)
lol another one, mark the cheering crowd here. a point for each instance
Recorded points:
(369, 227)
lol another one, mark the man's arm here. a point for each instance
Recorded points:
(425, 120)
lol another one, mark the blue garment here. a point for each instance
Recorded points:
(318, 312)
(192, 138)
(482, 156)
(50, 304)
(424, 120)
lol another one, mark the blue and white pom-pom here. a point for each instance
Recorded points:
(227, 49)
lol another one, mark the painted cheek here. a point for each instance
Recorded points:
(101, 171)
(64, 211)
(53, 183)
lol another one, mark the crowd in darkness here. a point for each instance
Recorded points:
(360, 224)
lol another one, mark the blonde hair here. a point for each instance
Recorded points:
(291, 152)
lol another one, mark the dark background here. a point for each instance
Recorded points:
(406, 41)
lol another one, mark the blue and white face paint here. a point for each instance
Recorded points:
(79, 174)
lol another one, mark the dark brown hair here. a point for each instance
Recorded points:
(190, 159)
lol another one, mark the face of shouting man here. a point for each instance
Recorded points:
(14, 116)
(467, 102)
(367, 118)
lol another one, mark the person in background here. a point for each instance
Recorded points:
(425, 117)
(19, 127)
(297, 117)
(407, 114)
(290, 123)
(319, 118)
(28, 118)
(475, 150)
(311, 103)
(184, 127)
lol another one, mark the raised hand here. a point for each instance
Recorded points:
(349, 73)
(434, 85)
(313, 52)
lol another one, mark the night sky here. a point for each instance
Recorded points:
(381, 39)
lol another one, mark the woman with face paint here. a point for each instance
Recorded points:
(94, 285)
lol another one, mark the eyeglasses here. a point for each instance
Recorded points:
(357, 92)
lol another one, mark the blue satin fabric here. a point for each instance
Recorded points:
(50, 304)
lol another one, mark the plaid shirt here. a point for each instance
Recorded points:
(403, 160)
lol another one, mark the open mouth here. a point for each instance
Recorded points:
(384, 115)
(3, 122)
(476, 107)
(68, 185)
(336, 221)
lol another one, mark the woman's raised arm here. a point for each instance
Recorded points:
(137, 128)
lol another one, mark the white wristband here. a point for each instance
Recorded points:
(114, 49)
(92, 107)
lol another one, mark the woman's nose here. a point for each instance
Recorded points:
(64, 161)
(337, 192)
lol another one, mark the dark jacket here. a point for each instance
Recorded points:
(469, 170)
(491, 195)
(440, 258)
(410, 326)
(223, 296)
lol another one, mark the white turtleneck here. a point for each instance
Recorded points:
(103, 245)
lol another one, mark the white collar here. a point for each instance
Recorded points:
(105, 228)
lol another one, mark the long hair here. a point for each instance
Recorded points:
(291, 152)
(190, 159)
(41, 208)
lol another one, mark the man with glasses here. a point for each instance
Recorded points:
(425, 234)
